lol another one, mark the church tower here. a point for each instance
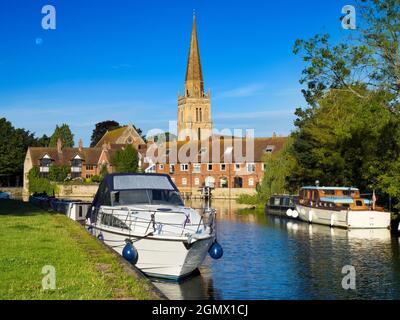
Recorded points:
(194, 106)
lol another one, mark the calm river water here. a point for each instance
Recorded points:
(273, 258)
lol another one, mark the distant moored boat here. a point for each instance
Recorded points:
(340, 207)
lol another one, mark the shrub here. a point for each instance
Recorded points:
(126, 160)
(248, 199)
(96, 179)
(58, 173)
(40, 185)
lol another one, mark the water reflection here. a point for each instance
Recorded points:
(272, 258)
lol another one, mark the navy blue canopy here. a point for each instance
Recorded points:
(129, 181)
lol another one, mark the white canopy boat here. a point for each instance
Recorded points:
(142, 217)
(340, 207)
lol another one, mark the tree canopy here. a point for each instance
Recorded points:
(349, 132)
(101, 128)
(64, 133)
(126, 160)
(13, 146)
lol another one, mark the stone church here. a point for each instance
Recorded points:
(194, 106)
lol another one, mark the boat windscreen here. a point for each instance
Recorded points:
(154, 197)
(131, 182)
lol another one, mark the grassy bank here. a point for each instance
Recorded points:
(31, 239)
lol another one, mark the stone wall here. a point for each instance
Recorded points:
(78, 191)
(219, 193)
(89, 191)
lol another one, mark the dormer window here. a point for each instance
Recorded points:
(45, 163)
(76, 167)
(269, 149)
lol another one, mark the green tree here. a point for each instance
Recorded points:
(40, 185)
(43, 141)
(278, 168)
(13, 146)
(370, 57)
(103, 171)
(64, 133)
(100, 129)
(338, 142)
(126, 160)
(59, 173)
(349, 132)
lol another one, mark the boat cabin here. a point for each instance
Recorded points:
(135, 189)
(340, 198)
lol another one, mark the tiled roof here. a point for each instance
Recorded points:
(89, 155)
(204, 150)
(111, 136)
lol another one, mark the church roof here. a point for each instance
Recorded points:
(113, 136)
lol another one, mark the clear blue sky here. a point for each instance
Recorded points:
(125, 60)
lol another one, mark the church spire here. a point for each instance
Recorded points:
(194, 84)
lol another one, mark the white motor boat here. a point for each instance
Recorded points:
(73, 209)
(147, 212)
(340, 207)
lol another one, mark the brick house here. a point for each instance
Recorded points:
(83, 162)
(215, 163)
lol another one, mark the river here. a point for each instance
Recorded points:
(273, 258)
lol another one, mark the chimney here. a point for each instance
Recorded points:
(59, 145)
(80, 144)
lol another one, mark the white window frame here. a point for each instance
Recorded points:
(237, 166)
(196, 167)
(161, 166)
(184, 181)
(184, 167)
(220, 167)
(251, 182)
(248, 167)
(208, 167)
(196, 181)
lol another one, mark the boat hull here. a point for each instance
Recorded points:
(347, 219)
(161, 257)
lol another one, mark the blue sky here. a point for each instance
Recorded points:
(125, 60)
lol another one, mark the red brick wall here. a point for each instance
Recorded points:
(191, 177)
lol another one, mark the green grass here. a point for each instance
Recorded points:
(31, 238)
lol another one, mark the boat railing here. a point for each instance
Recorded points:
(130, 221)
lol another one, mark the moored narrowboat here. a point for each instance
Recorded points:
(282, 205)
